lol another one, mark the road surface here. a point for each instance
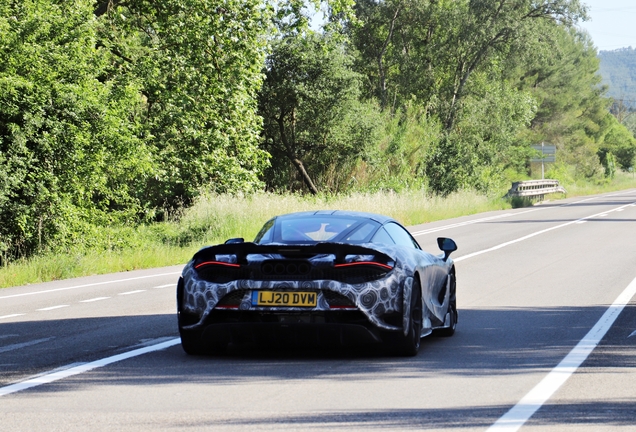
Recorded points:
(546, 341)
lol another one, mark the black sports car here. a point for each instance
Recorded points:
(318, 277)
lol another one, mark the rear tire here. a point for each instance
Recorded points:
(409, 345)
(191, 343)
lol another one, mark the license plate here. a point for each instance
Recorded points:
(278, 298)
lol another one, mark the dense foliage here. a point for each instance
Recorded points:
(111, 112)
(117, 111)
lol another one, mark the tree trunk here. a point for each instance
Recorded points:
(292, 157)
(303, 172)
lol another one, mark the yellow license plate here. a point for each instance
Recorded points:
(278, 298)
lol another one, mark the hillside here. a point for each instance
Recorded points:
(618, 69)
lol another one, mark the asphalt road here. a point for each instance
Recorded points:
(532, 283)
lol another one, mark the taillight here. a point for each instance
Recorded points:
(215, 263)
(365, 263)
(219, 271)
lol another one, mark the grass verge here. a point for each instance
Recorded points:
(215, 218)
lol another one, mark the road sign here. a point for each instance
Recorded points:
(546, 158)
(548, 154)
(545, 149)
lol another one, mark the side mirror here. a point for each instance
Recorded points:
(447, 246)
(235, 240)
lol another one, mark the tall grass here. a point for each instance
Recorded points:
(218, 217)
(214, 218)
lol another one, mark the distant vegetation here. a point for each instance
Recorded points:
(618, 69)
(116, 115)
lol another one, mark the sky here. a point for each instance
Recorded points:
(612, 23)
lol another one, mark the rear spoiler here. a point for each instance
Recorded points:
(241, 250)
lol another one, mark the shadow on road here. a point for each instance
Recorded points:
(616, 413)
(487, 342)
(491, 343)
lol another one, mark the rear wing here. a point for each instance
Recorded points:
(241, 250)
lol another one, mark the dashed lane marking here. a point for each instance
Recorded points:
(131, 292)
(88, 285)
(94, 299)
(13, 347)
(53, 307)
(11, 316)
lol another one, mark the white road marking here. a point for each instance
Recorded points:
(619, 193)
(8, 336)
(470, 222)
(502, 245)
(578, 354)
(88, 285)
(94, 299)
(76, 370)
(522, 411)
(460, 224)
(131, 292)
(11, 316)
(602, 215)
(166, 286)
(633, 334)
(23, 344)
(53, 307)
(581, 222)
(620, 210)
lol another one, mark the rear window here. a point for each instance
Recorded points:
(313, 228)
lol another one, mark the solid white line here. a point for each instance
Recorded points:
(619, 193)
(502, 245)
(11, 316)
(166, 286)
(131, 292)
(470, 222)
(633, 334)
(459, 224)
(94, 299)
(87, 285)
(23, 344)
(56, 376)
(53, 307)
(522, 411)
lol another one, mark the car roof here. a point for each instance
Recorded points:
(364, 215)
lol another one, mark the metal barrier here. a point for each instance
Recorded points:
(534, 188)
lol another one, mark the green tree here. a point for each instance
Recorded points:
(618, 146)
(68, 143)
(572, 110)
(447, 55)
(310, 105)
(198, 66)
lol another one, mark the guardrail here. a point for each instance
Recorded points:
(535, 188)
